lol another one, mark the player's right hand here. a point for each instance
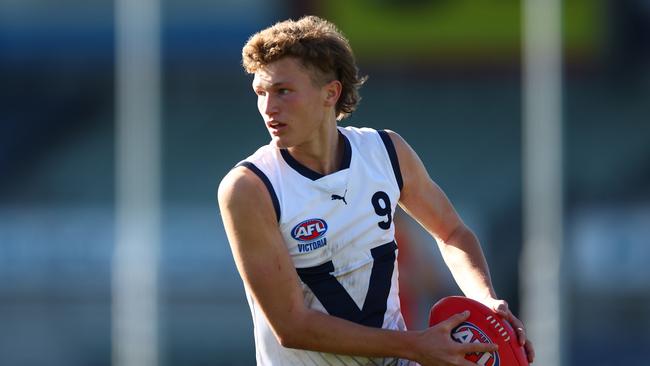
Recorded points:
(438, 349)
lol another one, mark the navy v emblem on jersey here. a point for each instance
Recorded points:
(342, 198)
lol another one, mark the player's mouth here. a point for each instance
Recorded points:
(275, 127)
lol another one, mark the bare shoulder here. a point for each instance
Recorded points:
(394, 136)
(238, 180)
(421, 197)
(241, 189)
(408, 158)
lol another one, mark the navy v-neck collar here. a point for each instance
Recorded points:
(313, 175)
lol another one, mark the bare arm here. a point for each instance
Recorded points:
(268, 273)
(423, 200)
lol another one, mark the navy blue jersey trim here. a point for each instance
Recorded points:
(267, 183)
(347, 153)
(301, 169)
(310, 174)
(390, 148)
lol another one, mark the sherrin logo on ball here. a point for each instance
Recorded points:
(469, 333)
(309, 230)
(483, 325)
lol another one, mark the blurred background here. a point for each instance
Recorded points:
(446, 75)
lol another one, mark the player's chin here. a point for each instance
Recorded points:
(278, 142)
(282, 142)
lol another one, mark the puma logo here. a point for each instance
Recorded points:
(342, 198)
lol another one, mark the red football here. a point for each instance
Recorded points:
(483, 325)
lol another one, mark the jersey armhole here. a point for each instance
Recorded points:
(392, 154)
(267, 183)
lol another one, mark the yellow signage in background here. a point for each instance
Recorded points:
(446, 31)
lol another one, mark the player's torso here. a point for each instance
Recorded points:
(340, 216)
(339, 232)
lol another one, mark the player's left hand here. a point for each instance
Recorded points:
(501, 307)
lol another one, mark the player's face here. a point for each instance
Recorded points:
(293, 107)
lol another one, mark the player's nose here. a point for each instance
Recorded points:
(269, 106)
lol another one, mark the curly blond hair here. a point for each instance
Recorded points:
(320, 47)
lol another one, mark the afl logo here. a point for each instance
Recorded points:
(309, 230)
(470, 333)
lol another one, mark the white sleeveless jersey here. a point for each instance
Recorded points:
(340, 234)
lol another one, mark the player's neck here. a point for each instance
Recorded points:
(323, 154)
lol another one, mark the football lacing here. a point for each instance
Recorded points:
(500, 329)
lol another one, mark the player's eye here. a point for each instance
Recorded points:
(260, 93)
(283, 91)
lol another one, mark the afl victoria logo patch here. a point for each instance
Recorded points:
(309, 230)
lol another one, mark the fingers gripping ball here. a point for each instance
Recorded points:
(483, 325)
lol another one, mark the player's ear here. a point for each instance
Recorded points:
(332, 92)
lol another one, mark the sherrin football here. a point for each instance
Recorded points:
(483, 325)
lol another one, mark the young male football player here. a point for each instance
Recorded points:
(309, 217)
